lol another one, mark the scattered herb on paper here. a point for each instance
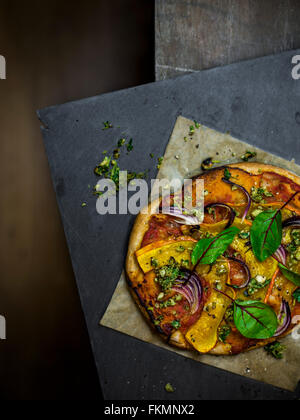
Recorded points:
(275, 349)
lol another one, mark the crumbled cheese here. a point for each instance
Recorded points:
(260, 279)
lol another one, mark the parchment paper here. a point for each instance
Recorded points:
(183, 159)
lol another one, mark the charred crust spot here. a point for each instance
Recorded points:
(150, 314)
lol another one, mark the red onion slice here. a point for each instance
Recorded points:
(232, 212)
(292, 222)
(247, 271)
(284, 318)
(280, 255)
(191, 290)
(181, 216)
(227, 181)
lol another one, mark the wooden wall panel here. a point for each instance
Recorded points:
(197, 34)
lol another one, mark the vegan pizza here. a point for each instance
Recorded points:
(231, 283)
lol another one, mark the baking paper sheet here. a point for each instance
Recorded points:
(183, 159)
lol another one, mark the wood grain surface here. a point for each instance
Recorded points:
(55, 52)
(197, 34)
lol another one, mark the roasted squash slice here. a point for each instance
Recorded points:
(159, 253)
(203, 335)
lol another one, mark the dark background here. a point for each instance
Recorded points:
(56, 52)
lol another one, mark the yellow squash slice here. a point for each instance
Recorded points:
(159, 253)
(203, 335)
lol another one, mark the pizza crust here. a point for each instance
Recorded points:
(134, 273)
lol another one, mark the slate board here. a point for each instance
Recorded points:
(258, 102)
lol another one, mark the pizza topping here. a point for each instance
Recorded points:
(167, 276)
(290, 275)
(224, 332)
(258, 194)
(202, 310)
(280, 186)
(169, 253)
(191, 289)
(284, 318)
(280, 255)
(292, 222)
(183, 216)
(255, 319)
(207, 251)
(210, 208)
(244, 234)
(161, 227)
(227, 181)
(266, 234)
(239, 273)
(227, 174)
(296, 295)
(257, 283)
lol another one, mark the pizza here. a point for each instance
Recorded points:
(229, 284)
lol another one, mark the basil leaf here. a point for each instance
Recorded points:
(266, 234)
(290, 275)
(255, 319)
(208, 250)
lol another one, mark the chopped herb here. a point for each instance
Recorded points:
(103, 167)
(169, 388)
(221, 270)
(151, 155)
(197, 125)
(257, 283)
(275, 349)
(167, 303)
(256, 213)
(121, 142)
(83, 205)
(158, 320)
(129, 146)
(116, 153)
(176, 324)
(227, 174)
(224, 332)
(192, 130)
(160, 161)
(167, 275)
(244, 234)
(229, 315)
(160, 296)
(207, 164)
(258, 194)
(154, 262)
(248, 155)
(107, 125)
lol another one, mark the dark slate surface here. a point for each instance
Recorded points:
(257, 101)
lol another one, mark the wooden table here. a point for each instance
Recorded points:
(55, 52)
(197, 34)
